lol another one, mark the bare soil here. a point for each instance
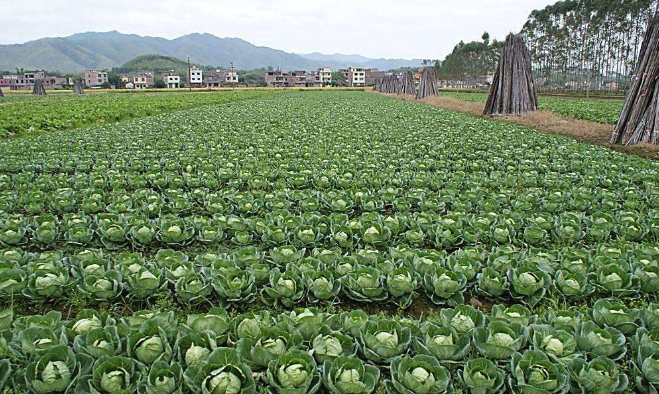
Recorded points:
(549, 122)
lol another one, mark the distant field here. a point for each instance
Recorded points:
(22, 114)
(595, 110)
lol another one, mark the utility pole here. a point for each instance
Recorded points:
(231, 68)
(189, 76)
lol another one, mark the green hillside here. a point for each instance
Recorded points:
(155, 63)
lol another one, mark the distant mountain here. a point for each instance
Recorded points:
(111, 49)
(362, 61)
(337, 58)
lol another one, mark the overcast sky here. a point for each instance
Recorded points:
(374, 28)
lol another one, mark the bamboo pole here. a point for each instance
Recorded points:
(513, 86)
(39, 89)
(427, 85)
(407, 84)
(77, 87)
(639, 118)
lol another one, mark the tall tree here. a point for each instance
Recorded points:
(586, 44)
(471, 63)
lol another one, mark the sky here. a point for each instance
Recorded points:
(425, 29)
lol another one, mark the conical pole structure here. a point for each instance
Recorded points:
(407, 84)
(639, 118)
(1, 94)
(391, 84)
(427, 85)
(77, 87)
(513, 87)
(38, 90)
(396, 84)
(377, 85)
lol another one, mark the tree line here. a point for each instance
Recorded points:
(575, 45)
(587, 44)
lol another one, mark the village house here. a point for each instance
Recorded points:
(280, 79)
(611, 85)
(94, 78)
(356, 77)
(325, 76)
(297, 78)
(275, 79)
(216, 79)
(313, 80)
(143, 80)
(371, 75)
(26, 81)
(219, 78)
(231, 77)
(195, 77)
(171, 80)
(7, 83)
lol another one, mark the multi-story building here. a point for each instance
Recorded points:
(372, 75)
(313, 79)
(275, 79)
(125, 82)
(139, 82)
(220, 78)
(297, 78)
(325, 76)
(143, 80)
(8, 83)
(94, 78)
(195, 77)
(57, 82)
(216, 79)
(231, 77)
(27, 79)
(356, 77)
(171, 79)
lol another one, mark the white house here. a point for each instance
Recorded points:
(195, 77)
(172, 81)
(356, 77)
(325, 76)
(231, 76)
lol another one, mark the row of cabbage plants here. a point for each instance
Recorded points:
(152, 200)
(304, 350)
(312, 229)
(287, 276)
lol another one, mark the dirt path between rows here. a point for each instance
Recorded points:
(549, 122)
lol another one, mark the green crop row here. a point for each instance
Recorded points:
(21, 115)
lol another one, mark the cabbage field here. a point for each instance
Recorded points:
(24, 115)
(325, 242)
